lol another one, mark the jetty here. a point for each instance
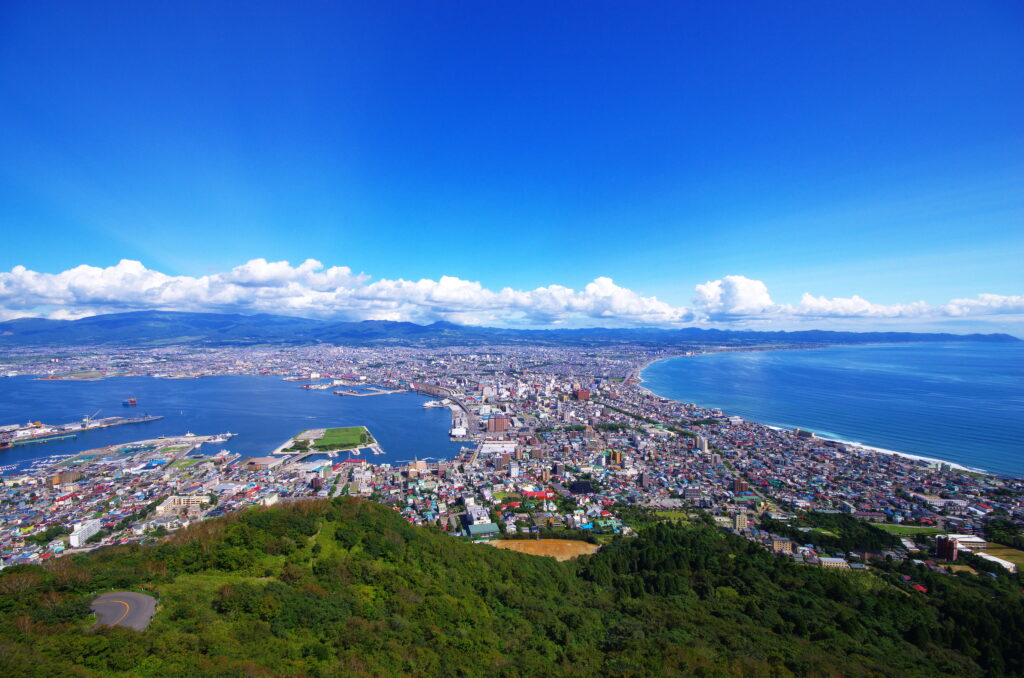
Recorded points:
(372, 391)
(38, 432)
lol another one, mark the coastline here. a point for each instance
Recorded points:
(882, 450)
(849, 443)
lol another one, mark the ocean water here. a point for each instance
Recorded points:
(264, 411)
(960, 402)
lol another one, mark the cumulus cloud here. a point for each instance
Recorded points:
(734, 296)
(856, 307)
(985, 304)
(312, 290)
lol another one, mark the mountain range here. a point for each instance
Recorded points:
(151, 328)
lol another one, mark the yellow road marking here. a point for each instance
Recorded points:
(127, 609)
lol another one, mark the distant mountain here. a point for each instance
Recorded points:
(156, 328)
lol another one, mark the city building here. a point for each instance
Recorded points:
(82, 531)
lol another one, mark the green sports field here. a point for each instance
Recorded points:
(344, 438)
(909, 530)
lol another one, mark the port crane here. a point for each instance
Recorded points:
(88, 418)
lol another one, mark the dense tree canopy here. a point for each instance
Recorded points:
(346, 587)
(833, 531)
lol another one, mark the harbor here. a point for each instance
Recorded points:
(265, 410)
(36, 432)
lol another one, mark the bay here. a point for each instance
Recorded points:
(265, 411)
(960, 401)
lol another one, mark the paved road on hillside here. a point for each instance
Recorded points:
(125, 608)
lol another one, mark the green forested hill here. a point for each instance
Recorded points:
(349, 588)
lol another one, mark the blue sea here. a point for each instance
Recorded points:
(264, 411)
(960, 402)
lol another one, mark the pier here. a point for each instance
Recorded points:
(373, 392)
(41, 433)
(48, 439)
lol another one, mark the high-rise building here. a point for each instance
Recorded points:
(946, 547)
(582, 394)
(739, 521)
(498, 424)
(739, 485)
(83, 531)
(65, 477)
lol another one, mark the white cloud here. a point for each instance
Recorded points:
(856, 307)
(311, 290)
(985, 304)
(734, 296)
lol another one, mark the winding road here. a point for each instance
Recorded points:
(125, 608)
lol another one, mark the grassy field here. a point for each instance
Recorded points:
(187, 461)
(1015, 556)
(962, 568)
(344, 438)
(674, 515)
(909, 530)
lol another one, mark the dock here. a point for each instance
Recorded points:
(373, 392)
(47, 439)
(46, 434)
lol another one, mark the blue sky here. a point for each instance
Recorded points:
(850, 149)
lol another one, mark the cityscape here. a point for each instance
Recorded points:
(458, 339)
(552, 440)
